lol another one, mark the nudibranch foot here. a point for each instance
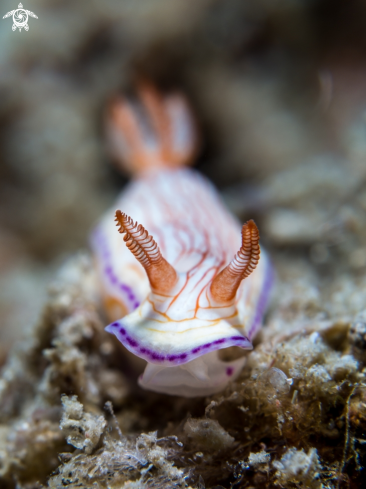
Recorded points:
(203, 376)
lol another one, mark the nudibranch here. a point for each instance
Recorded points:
(185, 280)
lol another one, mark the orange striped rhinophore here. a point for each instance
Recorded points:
(154, 131)
(226, 283)
(161, 274)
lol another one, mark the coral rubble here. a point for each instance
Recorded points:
(279, 92)
(294, 418)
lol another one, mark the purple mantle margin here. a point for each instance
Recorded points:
(117, 328)
(99, 243)
(152, 356)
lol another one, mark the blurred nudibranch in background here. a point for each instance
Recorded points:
(183, 282)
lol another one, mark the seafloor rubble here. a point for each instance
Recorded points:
(72, 415)
(279, 92)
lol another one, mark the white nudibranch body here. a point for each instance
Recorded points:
(176, 285)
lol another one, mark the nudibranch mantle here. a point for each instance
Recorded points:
(175, 286)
